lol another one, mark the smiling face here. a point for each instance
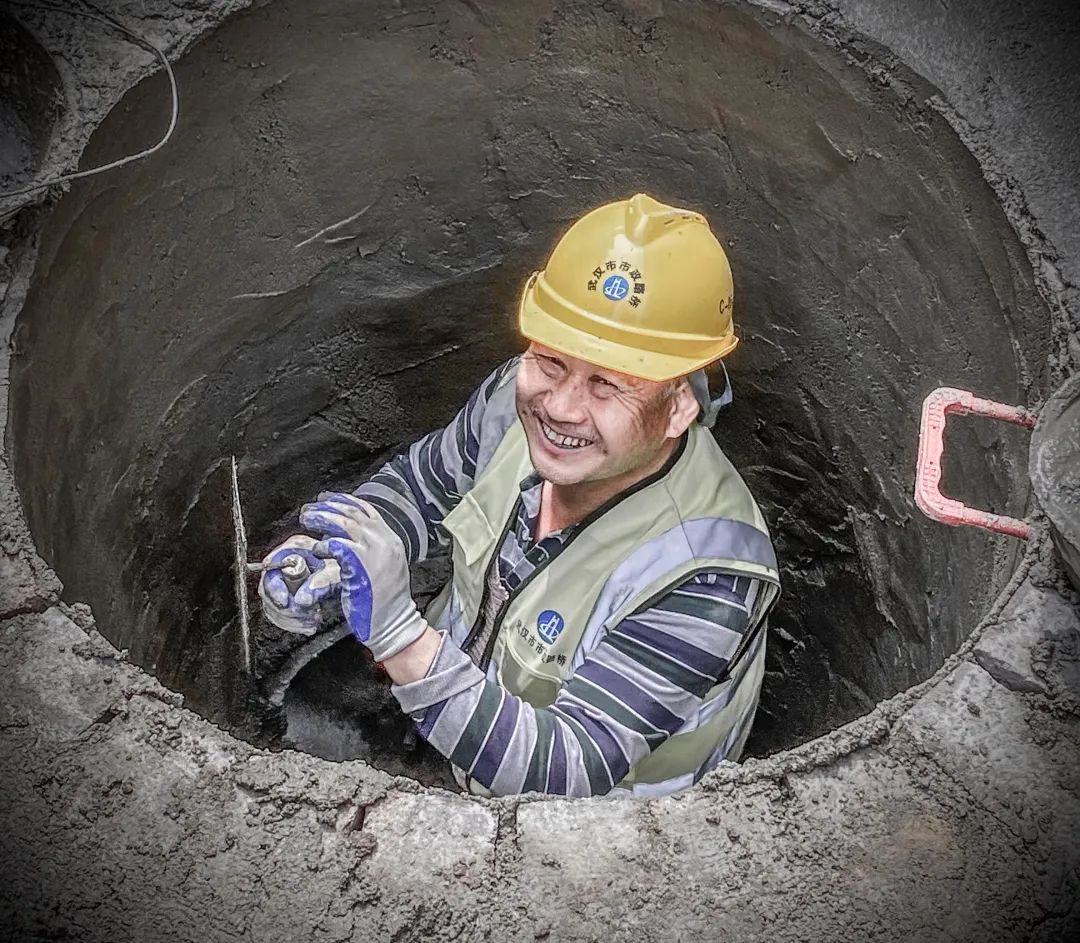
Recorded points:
(588, 424)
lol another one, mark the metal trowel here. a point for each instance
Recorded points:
(293, 568)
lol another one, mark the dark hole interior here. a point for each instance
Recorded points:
(326, 259)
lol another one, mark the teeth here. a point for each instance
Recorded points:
(563, 441)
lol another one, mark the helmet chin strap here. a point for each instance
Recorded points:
(710, 406)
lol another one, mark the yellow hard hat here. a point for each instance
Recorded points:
(635, 286)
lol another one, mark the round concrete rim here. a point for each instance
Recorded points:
(1064, 527)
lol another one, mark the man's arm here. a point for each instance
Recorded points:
(411, 494)
(415, 490)
(636, 689)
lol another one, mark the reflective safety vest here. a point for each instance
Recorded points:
(697, 516)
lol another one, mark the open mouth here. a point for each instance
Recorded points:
(568, 443)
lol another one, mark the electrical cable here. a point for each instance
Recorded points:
(145, 43)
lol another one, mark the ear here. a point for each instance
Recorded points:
(683, 410)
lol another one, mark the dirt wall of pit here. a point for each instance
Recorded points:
(295, 282)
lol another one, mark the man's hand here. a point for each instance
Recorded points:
(320, 589)
(336, 514)
(375, 590)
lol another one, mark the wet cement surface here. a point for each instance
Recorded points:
(1055, 471)
(297, 282)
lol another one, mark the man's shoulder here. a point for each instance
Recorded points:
(505, 374)
(499, 386)
(499, 413)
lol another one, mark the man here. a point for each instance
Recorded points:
(605, 624)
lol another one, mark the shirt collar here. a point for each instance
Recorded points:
(530, 481)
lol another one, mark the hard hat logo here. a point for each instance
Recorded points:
(616, 288)
(683, 321)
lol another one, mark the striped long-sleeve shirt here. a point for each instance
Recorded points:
(640, 683)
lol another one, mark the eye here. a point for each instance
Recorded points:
(551, 366)
(604, 386)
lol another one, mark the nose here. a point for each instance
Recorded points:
(565, 404)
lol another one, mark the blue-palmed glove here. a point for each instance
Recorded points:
(320, 590)
(375, 590)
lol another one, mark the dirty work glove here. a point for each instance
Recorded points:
(375, 589)
(320, 589)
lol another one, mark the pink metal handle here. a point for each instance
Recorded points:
(928, 496)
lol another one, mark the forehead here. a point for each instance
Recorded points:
(577, 365)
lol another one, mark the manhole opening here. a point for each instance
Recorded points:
(324, 262)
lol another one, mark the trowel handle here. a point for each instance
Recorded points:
(294, 570)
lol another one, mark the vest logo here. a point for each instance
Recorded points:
(549, 625)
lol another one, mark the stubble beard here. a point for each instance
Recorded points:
(601, 470)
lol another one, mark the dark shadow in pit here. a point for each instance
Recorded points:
(326, 260)
(31, 95)
(340, 707)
